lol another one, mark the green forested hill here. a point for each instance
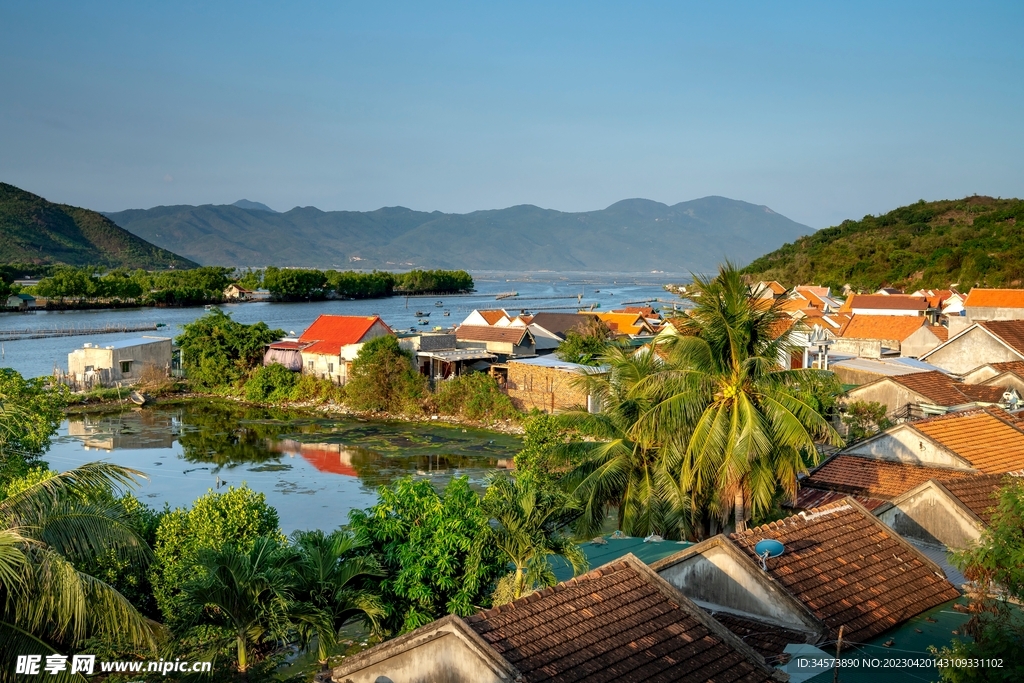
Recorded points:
(35, 231)
(971, 241)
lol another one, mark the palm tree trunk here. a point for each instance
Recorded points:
(243, 659)
(739, 512)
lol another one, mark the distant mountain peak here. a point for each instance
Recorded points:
(252, 206)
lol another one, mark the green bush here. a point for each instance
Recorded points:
(475, 396)
(217, 351)
(270, 383)
(238, 515)
(383, 379)
(309, 389)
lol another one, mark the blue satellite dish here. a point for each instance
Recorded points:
(769, 547)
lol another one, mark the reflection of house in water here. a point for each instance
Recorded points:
(131, 430)
(325, 457)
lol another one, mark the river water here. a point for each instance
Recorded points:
(35, 357)
(314, 470)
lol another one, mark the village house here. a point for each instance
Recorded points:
(924, 393)
(990, 341)
(124, 361)
(619, 622)
(549, 384)
(885, 304)
(21, 302)
(496, 317)
(994, 304)
(328, 346)
(632, 324)
(877, 336)
(549, 329)
(438, 356)
(839, 567)
(768, 291)
(987, 440)
(235, 292)
(503, 342)
(857, 371)
(1007, 375)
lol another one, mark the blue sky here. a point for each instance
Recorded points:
(818, 110)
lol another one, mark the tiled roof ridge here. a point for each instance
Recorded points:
(805, 516)
(994, 411)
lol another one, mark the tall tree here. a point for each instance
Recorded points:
(749, 425)
(530, 521)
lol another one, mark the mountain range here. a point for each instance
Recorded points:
(35, 231)
(634, 235)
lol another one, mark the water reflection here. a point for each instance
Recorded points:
(189, 447)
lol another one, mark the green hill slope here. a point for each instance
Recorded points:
(971, 241)
(33, 230)
(634, 235)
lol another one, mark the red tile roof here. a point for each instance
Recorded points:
(510, 335)
(617, 623)
(995, 298)
(1010, 331)
(493, 315)
(850, 569)
(331, 332)
(987, 439)
(885, 302)
(880, 479)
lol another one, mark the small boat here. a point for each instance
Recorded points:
(208, 307)
(421, 314)
(138, 398)
(439, 304)
(447, 313)
(424, 322)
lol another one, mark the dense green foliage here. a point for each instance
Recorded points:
(239, 516)
(632, 235)
(273, 383)
(30, 412)
(585, 349)
(995, 566)
(475, 396)
(169, 287)
(296, 284)
(33, 230)
(383, 379)
(432, 550)
(433, 282)
(216, 350)
(864, 418)
(969, 242)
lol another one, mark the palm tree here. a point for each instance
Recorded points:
(530, 520)
(625, 466)
(329, 577)
(46, 603)
(252, 591)
(749, 425)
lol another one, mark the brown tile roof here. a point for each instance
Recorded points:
(850, 569)
(979, 494)
(940, 331)
(885, 302)
(615, 623)
(768, 639)
(561, 323)
(807, 498)
(987, 439)
(940, 389)
(995, 298)
(511, 335)
(1014, 366)
(873, 478)
(1010, 331)
(897, 327)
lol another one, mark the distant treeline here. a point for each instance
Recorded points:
(207, 284)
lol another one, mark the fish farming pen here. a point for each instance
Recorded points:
(76, 331)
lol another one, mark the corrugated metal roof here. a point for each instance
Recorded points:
(553, 361)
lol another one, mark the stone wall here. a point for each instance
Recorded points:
(547, 389)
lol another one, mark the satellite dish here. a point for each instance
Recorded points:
(767, 548)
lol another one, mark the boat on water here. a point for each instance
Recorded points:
(424, 322)
(439, 304)
(138, 398)
(447, 313)
(421, 314)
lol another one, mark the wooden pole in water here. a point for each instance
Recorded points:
(839, 646)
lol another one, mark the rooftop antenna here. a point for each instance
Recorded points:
(768, 548)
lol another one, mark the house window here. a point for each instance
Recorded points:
(330, 368)
(126, 367)
(309, 364)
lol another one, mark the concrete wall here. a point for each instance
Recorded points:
(976, 313)
(974, 348)
(889, 393)
(979, 375)
(919, 343)
(862, 348)
(1007, 380)
(905, 444)
(716, 579)
(379, 329)
(154, 354)
(444, 658)
(930, 516)
(547, 389)
(326, 367)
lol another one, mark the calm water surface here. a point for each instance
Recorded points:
(312, 469)
(35, 357)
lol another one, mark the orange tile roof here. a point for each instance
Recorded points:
(979, 494)
(492, 315)
(780, 327)
(645, 311)
(940, 389)
(1014, 366)
(889, 327)
(330, 332)
(987, 439)
(1010, 331)
(813, 289)
(777, 288)
(940, 331)
(873, 478)
(625, 323)
(995, 298)
(849, 569)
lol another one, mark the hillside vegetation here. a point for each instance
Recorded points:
(634, 235)
(976, 241)
(35, 231)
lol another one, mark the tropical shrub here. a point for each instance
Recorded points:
(383, 379)
(217, 351)
(271, 383)
(475, 396)
(30, 413)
